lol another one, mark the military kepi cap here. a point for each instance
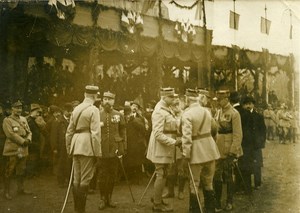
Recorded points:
(18, 103)
(167, 91)
(109, 94)
(204, 92)
(90, 89)
(222, 93)
(191, 92)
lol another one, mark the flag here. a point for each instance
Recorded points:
(265, 25)
(148, 4)
(198, 10)
(234, 20)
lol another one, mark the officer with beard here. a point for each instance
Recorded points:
(113, 143)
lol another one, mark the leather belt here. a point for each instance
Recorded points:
(197, 137)
(82, 130)
(225, 132)
(170, 132)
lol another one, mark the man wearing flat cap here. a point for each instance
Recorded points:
(18, 137)
(83, 142)
(229, 140)
(199, 149)
(113, 144)
(161, 148)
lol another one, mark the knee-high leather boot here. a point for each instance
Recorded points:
(218, 193)
(209, 201)
(82, 195)
(194, 206)
(75, 197)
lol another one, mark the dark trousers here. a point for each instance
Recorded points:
(107, 174)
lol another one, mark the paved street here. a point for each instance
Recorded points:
(279, 193)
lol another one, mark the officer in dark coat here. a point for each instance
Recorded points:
(252, 144)
(136, 142)
(113, 143)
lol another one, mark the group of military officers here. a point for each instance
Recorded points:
(206, 145)
(209, 147)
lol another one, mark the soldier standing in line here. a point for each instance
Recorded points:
(83, 142)
(229, 140)
(161, 145)
(18, 137)
(199, 149)
(113, 133)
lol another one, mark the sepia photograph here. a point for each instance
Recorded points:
(139, 106)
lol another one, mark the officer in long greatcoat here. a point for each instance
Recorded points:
(18, 137)
(161, 148)
(113, 144)
(83, 142)
(199, 149)
(229, 140)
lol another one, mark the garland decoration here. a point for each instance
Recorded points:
(183, 6)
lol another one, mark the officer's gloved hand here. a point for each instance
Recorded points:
(178, 142)
(232, 158)
(26, 143)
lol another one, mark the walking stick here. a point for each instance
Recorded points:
(152, 177)
(195, 188)
(68, 190)
(244, 183)
(121, 162)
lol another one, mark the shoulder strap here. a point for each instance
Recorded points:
(77, 119)
(202, 123)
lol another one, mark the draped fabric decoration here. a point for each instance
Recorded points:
(132, 22)
(185, 31)
(64, 8)
(183, 6)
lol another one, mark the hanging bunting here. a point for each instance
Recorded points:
(183, 6)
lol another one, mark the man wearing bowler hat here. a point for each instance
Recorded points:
(161, 148)
(113, 144)
(33, 161)
(18, 137)
(229, 140)
(83, 142)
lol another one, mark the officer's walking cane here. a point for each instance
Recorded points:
(244, 183)
(68, 190)
(120, 157)
(195, 188)
(147, 188)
